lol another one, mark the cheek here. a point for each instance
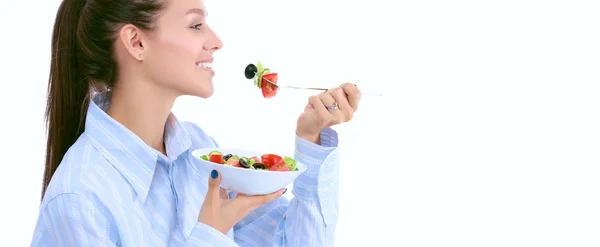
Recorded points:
(180, 48)
(175, 59)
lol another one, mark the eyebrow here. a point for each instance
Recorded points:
(196, 11)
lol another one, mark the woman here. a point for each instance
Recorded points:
(126, 177)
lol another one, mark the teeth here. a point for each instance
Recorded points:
(206, 65)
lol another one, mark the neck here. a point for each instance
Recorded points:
(143, 110)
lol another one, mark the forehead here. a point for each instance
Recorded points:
(182, 8)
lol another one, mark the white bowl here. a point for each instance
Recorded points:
(248, 181)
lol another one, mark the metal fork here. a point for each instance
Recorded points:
(311, 88)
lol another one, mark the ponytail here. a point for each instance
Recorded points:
(68, 89)
(82, 60)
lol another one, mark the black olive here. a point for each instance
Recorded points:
(244, 164)
(259, 166)
(226, 157)
(250, 71)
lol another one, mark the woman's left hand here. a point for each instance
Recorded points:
(334, 106)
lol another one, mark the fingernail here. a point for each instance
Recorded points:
(284, 191)
(214, 174)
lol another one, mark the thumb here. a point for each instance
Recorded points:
(214, 182)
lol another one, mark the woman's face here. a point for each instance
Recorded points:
(180, 49)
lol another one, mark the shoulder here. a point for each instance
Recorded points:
(84, 173)
(199, 137)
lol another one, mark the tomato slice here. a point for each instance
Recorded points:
(217, 158)
(270, 159)
(234, 162)
(269, 90)
(280, 162)
(281, 167)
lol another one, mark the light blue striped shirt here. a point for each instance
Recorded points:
(111, 189)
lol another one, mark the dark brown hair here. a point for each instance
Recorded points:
(82, 60)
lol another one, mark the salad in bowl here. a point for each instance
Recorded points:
(270, 162)
(250, 172)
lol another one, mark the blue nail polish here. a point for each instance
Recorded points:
(284, 191)
(214, 174)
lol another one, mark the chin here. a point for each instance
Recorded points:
(204, 90)
(206, 94)
(201, 86)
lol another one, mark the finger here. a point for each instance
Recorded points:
(264, 199)
(252, 202)
(328, 101)
(317, 104)
(340, 97)
(353, 94)
(223, 194)
(309, 106)
(214, 182)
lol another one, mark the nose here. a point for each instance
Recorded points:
(213, 43)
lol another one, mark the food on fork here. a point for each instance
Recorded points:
(267, 162)
(267, 81)
(263, 79)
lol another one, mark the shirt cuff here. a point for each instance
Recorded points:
(207, 236)
(322, 164)
(318, 153)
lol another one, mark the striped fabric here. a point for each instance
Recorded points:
(111, 189)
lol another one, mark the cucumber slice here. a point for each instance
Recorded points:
(261, 70)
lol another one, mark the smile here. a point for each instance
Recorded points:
(206, 65)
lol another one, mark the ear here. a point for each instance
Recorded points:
(132, 39)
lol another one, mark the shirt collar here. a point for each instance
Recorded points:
(133, 158)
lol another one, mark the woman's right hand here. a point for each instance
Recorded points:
(223, 213)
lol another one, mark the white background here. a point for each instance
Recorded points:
(489, 133)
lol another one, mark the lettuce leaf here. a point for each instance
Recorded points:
(291, 163)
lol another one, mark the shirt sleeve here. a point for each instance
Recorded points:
(73, 220)
(310, 218)
(207, 236)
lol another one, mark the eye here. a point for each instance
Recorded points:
(197, 26)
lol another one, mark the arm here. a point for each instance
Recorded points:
(74, 220)
(206, 236)
(310, 218)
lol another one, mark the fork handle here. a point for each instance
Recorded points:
(313, 88)
(325, 89)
